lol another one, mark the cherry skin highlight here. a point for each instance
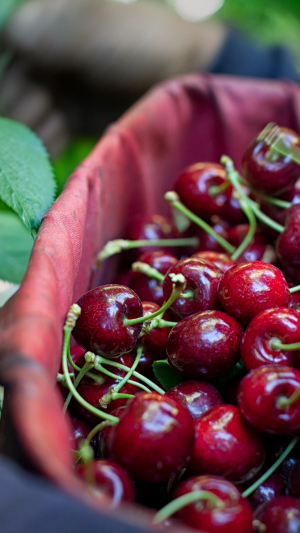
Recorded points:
(257, 247)
(259, 397)
(100, 327)
(249, 288)
(221, 260)
(196, 396)
(234, 517)
(280, 323)
(154, 437)
(226, 445)
(205, 345)
(281, 515)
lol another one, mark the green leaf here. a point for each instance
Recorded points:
(27, 183)
(167, 376)
(15, 247)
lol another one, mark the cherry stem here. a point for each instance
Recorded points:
(61, 378)
(96, 378)
(269, 199)
(273, 137)
(118, 245)
(264, 218)
(165, 324)
(275, 344)
(145, 268)
(92, 433)
(118, 396)
(214, 190)
(86, 367)
(272, 468)
(173, 198)
(184, 500)
(99, 359)
(234, 177)
(72, 316)
(294, 289)
(179, 284)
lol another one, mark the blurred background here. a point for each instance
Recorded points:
(68, 68)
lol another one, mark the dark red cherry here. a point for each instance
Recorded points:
(232, 211)
(92, 392)
(206, 241)
(150, 228)
(260, 394)
(281, 515)
(100, 327)
(249, 288)
(226, 445)
(80, 431)
(195, 188)
(267, 170)
(150, 289)
(288, 243)
(222, 261)
(281, 323)
(235, 516)
(294, 479)
(205, 345)
(202, 279)
(268, 490)
(154, 437)
(103, 435)
(110, 478)
(255, 250)
(196, 396)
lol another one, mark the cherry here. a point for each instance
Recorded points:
(197, 185)
(294, 479)
(233, 515)
(267, 170)
(232, 211)
(154, 437)
(92, 392)
(207, 241)
(288, 243)
(202, 279)
(147, 288)
(268, 490)
(226, 445)
(80, 433)
(100, 327)
(196, 396)
(151, 228)
(249, 288)
(255, 250)
(282, 324)
(110, 478)
(262, 396)
(281, 515)
(103, 435)
(221, 260)
(204, 345)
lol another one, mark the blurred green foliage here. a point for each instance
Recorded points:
(70, 158)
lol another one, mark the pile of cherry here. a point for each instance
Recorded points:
(219, 316)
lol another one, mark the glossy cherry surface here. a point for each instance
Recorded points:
(234, 517)
(205, 345)
(202, 279)
(103, 435)
(207, 241)
(150, 289)
(196, 396)
(294, 479)
(281, 515)
(221, 260)
(281, 323)
(100, 327)
(259, 395)
(110, 478)
(271, 488)
(268, 171)
(249, 288)
(80, 431)
(255, 250)
(154, 437)
(288, 243)
(226, 445)
(150, 228)
(194, 186)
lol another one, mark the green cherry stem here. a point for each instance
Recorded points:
(86, 367)
(145, 268)
(269, 199)
(96, 378)
(214, 190)
(175, 505)
(179, 284)
(272, 468)
(294, 289)
(173, 199)
(234, 178)
(92, 433)
(72, 316)
(165, 324)
(275, 344)
(120, 395)
(98, 360)
(264, 218)
(118, 245)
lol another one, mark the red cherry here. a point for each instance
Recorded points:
(234, 517)
(196, 396)
(249, 288)
(103, 435)
(202, 280)
(268, 490)
(195, 185)
(222, 261)
(226, 445)
(150, 289)
(288, 243)
(207, 241)
(281, 515)
(205, 345)
(259, 398)
(232, 211)
(150, 228)
(110, 478)
(154, 437)
(255, 250)
(268, 171)
(80, 433)
(100, 327)
(294, 479)
(280, 323)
